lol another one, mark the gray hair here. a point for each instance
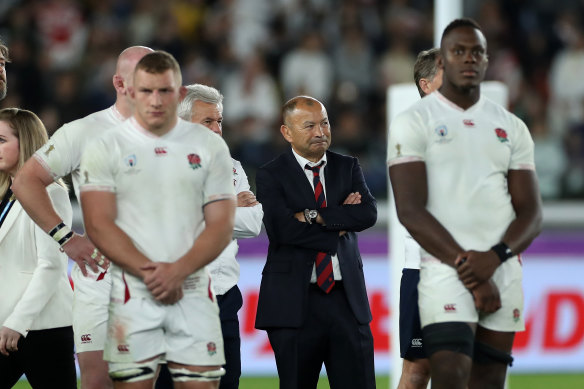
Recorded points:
(201, 92)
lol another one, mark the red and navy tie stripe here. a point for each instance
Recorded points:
(324, 265)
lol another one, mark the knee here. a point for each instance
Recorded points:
(96, 381)
(415, 374)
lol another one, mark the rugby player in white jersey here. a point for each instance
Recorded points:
(463, 177)
(158, 200)
(59, 157)
(415, 368)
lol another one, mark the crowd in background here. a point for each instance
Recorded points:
(346, 53)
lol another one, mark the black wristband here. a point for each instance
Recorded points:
(503, 251)
(56, 229)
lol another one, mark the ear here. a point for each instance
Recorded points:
(424, 85)
(182, 92)
(118, 82)
(285, 131)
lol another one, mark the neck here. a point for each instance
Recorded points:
(464, 97)
(123, 107)
(157, 130)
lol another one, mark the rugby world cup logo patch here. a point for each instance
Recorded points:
(194, 161)
(131, 160)
(441, 131)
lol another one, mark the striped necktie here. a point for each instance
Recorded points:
(324, 265)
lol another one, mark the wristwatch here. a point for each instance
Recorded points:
(310, 215)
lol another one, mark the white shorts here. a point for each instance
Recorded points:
(188, 332)
(443, 297)
(90, 309)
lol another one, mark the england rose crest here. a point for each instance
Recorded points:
(194, 161)
(501, 135)
(211, 348)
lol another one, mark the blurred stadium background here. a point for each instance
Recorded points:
(345, 53)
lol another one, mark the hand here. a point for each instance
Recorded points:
(300, 217)
(476, 267)
(246, 199)
(353, 198)
(164, 281)
(486, 297)
(83, 252)
(8, 340)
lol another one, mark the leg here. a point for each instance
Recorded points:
(10, 369)
(491, 357)
(450, 347)
(195, 377)
(49, 358)
(229, 304)
(416, 367)
(135, 375)
(94, 372)
(297, 369)
(415, 374)
(350, 358)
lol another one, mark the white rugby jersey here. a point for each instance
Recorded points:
(62, 154)
(467, 154)
(248, 223)
(161, 185)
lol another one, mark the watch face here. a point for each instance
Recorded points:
(312, 214)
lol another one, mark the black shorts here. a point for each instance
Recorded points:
(410, 331)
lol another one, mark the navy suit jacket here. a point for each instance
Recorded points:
(283, 190)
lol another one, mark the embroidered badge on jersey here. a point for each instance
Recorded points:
(516, 315)
(501, 135)
(160, 151)
(131, 160)
(442, 132)
(51, 148)
(194, 161)
(211, 348)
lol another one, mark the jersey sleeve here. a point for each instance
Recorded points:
(522, 148)
(61, 154)
(97, 167)
(219, 181)
(406, 141)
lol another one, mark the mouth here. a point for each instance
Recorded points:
(469, 73)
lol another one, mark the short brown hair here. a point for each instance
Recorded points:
(159, 62)
(426, 66)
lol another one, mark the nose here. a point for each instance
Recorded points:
(216, 128)
(155, 99)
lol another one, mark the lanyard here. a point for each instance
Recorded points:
(9, 198)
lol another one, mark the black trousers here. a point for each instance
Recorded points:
(331, 335)
(229, 304)
(46, 357)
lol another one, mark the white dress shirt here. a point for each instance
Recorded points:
(310, 177)
(248, 224)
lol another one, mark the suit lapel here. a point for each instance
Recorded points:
(332, 188)
(10, 219)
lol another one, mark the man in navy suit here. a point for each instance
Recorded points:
(313, 302)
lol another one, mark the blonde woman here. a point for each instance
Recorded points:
(36, 337)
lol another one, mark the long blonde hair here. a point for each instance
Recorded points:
(31, 134)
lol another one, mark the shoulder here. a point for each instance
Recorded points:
(495, 110)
